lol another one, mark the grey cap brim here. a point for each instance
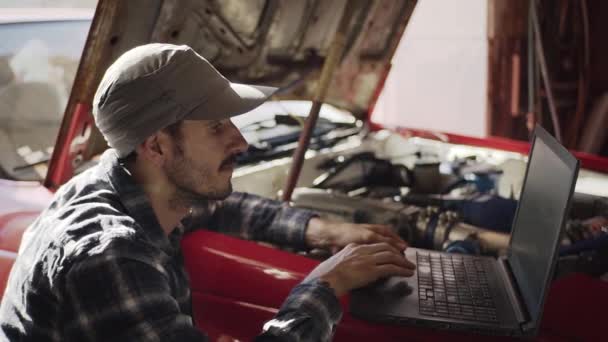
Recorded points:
(234, 100)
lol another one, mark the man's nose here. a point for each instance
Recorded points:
(238, 142)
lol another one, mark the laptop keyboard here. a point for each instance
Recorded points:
(454, 286)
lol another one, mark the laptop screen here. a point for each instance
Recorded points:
(548, 186)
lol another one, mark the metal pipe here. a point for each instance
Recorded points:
(515, 84)
(531, 67)
(583, 80)
(545, 73)
(332, 60)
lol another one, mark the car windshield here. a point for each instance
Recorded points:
(38, 63)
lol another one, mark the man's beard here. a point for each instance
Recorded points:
(183, 197)
(187, 178)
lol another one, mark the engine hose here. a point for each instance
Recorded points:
(430, 232)
(585, 245)
(464, 247)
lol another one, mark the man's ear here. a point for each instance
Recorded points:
(151, 150)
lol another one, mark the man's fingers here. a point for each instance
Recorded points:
(392, 258)
(399, 244)
(376, 238)
(383, 229)
(387, 232)
(378, 247)
(388, 270)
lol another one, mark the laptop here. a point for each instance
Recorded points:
(503, 296)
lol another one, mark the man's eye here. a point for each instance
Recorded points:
(217, 125)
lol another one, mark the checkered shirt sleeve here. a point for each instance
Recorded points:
(257, 218)
(311, 311)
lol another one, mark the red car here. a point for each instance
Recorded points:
(237, 285)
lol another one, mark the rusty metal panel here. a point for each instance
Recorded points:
(507, 31)
(291, 42)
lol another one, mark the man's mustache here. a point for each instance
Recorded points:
(231, 160)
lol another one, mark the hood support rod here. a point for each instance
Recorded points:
(332, 60)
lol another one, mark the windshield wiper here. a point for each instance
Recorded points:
(27, 166)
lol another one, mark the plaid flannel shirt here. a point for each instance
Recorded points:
(97, 266)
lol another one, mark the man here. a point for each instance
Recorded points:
(103, 262)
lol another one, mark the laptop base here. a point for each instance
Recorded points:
(387, 304)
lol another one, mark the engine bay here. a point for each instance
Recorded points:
(436, 195)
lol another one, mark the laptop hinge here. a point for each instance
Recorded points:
(521, 313)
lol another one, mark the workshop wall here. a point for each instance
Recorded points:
(438, 77)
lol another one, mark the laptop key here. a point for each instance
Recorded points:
(484, 318)
(452, 299)
(427, 313)
(488, 303)
(429, 303)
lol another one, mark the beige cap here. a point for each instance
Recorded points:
(155, 85)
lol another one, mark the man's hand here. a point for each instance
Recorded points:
(335, 235)
(359, 265)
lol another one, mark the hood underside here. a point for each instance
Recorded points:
(272, 42)
(267, 42)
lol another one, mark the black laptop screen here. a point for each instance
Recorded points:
(547, 189)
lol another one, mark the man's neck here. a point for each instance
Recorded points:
(169, 216)
(168, 213)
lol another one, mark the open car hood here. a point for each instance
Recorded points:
(278, 43)
(284, 43)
